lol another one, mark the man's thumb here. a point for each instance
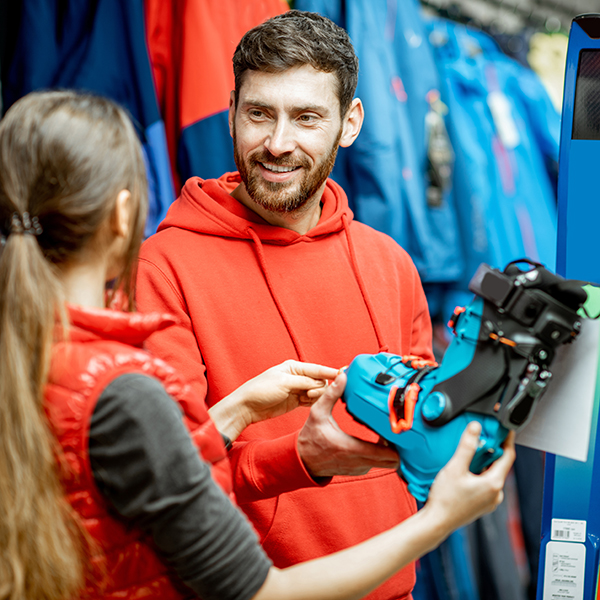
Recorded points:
(331, 395)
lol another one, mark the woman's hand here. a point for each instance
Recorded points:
(457, 496)
(274, 392)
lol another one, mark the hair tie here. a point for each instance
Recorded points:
(24, 224)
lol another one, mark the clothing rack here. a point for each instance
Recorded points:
(512, 16)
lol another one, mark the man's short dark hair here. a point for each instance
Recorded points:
(296, 38)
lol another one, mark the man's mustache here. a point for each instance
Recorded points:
(286, 160)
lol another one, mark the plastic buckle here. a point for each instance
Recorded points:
(401, 405)
(417, 362)
(454, 318)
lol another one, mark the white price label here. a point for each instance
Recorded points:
(566, 530)
(503, 120)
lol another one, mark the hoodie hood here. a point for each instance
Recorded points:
(206, 206)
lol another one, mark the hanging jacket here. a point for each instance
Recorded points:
(101, 346)
(386, 170)
(97, 47)
(250, 295)
(191, 45)
(505, 134)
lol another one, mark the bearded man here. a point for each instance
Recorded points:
(267, 264)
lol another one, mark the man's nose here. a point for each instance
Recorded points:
(281, 139)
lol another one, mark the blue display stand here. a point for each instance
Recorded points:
(570, 550)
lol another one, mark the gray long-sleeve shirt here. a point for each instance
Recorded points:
(146, 465)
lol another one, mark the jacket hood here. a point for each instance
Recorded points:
(205, 206)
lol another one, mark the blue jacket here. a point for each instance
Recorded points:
(98, 47)
(505, 134)
(384, 171)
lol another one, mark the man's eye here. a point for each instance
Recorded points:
(256, 113)
(307, 118)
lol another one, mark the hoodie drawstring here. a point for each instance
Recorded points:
(363, 290)
(284, 317)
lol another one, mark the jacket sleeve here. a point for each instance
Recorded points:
(261, 468)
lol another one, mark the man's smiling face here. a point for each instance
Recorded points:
(286, 129)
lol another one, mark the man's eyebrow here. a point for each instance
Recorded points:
(257, 103)
(318, 108)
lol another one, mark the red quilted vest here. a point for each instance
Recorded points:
(104, 344)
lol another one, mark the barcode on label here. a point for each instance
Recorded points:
(568, 530)
(561, 534)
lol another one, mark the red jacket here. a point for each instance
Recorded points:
(190, 46)
(103, 345)
(250, 295)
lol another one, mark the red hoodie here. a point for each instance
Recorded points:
(250, 295)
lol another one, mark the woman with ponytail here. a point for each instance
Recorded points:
(114, 481)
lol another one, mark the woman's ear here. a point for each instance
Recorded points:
(352, 123)
(121, 217)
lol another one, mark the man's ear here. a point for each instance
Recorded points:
(121, 215)
(352, 123)
(231, 111)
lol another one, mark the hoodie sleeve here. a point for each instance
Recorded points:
(177, 344)
(261, 468)
(420, 325)
(267, 468)
(421, 339)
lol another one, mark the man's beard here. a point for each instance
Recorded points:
(283, 197)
